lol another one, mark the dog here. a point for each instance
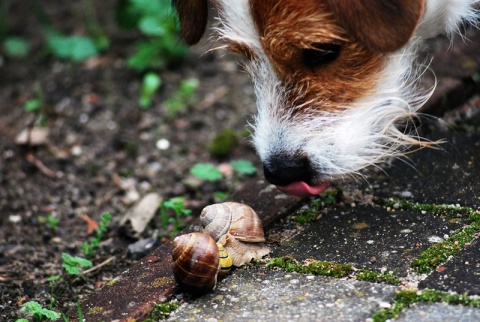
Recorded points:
(336, 80)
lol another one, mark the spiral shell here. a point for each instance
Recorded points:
(238, 219)
(195, 262)
(238, 228)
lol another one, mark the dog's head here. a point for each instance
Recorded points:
(332, 79)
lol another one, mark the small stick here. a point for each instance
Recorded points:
(105, 262)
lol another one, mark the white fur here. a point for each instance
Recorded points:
(340, 144)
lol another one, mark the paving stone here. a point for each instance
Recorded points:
(133, 294)
(438, 312)
(448, 176)
(461, 274)
(257, 294)
(356, 235)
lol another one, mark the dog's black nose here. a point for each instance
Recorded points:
(281, 170)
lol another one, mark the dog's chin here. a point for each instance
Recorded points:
(302, 189)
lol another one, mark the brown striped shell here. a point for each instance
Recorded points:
(238, 219)
(195, 262)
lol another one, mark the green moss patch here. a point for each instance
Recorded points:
(440, 210)
(405, 298)
(162, 311)
(321, 268)
(327, 198)
(375, 277)
(439, 253)
(223, 143)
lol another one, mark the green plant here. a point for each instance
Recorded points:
(73, 264)
(182, 97)
(155, 20)
(206, 171)
(177, 204)
(150, 84)
(50, 221)
(74, 48)
(223, 143)
(16, 47)
(89, 248)
(39, 313)
(243, 167)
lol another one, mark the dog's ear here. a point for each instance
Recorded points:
(193, 16)
(381, 25)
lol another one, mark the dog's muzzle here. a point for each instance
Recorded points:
(293, 175)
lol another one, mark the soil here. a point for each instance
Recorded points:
(100, 154)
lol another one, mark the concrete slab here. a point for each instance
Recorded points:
(368, 237)
(258, 294)
(438, 312)
(448, 176)
(461, 274)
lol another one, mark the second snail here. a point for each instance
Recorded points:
(231, 234)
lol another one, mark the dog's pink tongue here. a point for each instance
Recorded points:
(302, 189)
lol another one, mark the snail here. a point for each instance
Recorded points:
(238, 228)
(231, 234)
(197, 261)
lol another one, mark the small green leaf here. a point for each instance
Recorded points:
(75, 48)
(151, 83)
(32, 307)
(244, 167)
(16, 47)
(206, 171)
(49, 314)
(33, 104)
(152, 26)
(82, 48)
(72, 270)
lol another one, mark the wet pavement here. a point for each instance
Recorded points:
(417, 221)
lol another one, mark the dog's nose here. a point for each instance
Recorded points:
(281, 170)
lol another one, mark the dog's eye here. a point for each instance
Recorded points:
(320, 54)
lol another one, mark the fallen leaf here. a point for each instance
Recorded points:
(92, 225)
(141, 213)
(34, 136)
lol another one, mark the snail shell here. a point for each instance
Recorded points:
(238, 219)
(195, 262)
(238, 228)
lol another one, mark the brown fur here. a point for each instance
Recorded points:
(288, 27)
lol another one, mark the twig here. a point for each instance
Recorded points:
(212, 98)
(105, 262)
(42, 167)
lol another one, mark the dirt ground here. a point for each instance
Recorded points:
(100, 154)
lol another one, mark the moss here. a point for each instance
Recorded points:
(442, 210)
(223, 143)
(439, 253)
(326, 198)
(375, 277)
(161, 281)
(162, 311)
(405, 298)
(321, 268)
(95, 310)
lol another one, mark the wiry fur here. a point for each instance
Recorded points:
(334, 94)
(341, 141)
